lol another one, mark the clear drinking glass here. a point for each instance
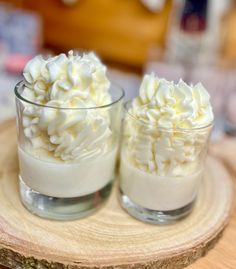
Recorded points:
(160, 169)
(67, 156)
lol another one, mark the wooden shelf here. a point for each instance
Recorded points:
(120, 31)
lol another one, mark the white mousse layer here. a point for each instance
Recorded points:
(67, 179)
(157, 192)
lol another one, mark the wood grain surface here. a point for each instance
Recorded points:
(111, 238)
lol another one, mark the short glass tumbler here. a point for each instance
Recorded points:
(160, 169)
(67, 156)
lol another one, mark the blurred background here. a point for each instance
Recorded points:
(190, 39)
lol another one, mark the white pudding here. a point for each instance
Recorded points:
(166, 131)
(156, 192)
(69, 146)
(67, 179)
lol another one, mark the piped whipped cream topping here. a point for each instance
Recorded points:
(67, 81)
(62, 84)
(165, 104)
(164, 130)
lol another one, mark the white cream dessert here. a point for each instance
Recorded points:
(68, 143)
(166, 129)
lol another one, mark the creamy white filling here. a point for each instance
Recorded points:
(61, 82)
(157, 192)
(68, 180)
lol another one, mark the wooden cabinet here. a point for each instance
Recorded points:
(119, 30)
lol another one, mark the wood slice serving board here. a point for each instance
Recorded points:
(110, 238)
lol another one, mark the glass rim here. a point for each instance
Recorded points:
(20, 97)
(180, 129)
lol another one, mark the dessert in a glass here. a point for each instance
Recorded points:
(164, 145)
(68, 122)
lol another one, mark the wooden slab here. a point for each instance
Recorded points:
(110, 238)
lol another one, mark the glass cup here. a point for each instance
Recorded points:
(67, 156)
(160, 169)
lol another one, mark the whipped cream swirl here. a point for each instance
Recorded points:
(164, 130)
(165, 104)
(61, 85)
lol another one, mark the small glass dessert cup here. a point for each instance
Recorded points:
(67, 188)
(160, 169)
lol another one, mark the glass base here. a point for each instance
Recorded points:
(62, 208)
(154, 216)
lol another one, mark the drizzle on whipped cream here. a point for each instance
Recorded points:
(61, 85)
(164, 127)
